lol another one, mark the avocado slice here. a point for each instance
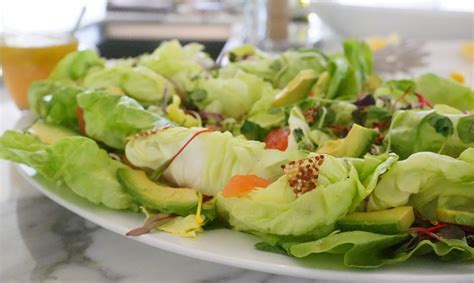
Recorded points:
(296, 89)
(357, 143)
(160, 197)
(391, 221)
(49, 133)
(455, 216)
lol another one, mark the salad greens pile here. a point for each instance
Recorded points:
(312, 152)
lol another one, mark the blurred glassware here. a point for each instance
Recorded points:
(29, 57)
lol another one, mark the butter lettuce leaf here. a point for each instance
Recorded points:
(55, 101)
(178, 63)
(76, 65)
(427, 181)
(236, 93)
(370, 250)
(434, 130)
(111, 119)
(438, 90)
(77, 162)
(276, 209)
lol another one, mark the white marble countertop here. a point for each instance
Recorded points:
(42, 241)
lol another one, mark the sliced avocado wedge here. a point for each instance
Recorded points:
(455, 216)
(357, 143)
(296, 89)
(391, 221)
(49, 133)
(160, 197)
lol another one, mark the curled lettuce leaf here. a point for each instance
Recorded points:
(430, 130)
(438, 90)
(234, 93)
(276, 209)
(111, 119)
(175, 114)
(77, 162)
(370, 250)
(427, 181)
(55, 101)
(76, 65)
(140, 83)
(178, 63)
(290, 63)
(343, 81)
(209, 161)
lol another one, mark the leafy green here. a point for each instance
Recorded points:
(55, 101)
(178, 63)
(427, 181)
(290, 63)
(175, 114)
(465, 129)
(111, 119)
(360, 57)
(369, 250)
(234, 93)
(343, 83)
(429, 130)
(139, 82)
(438, 90)
(253, 131)
(77, 162)
(76, 65)
(277, 210)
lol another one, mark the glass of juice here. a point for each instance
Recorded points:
(29, 57)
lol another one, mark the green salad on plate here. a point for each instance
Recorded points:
(311, 152)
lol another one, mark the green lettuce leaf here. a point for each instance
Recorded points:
(77, 162)
(343, 81)
(234, 94)
(178, 63)
(111, 119)
(76, 65)
(209, 161)
(427, 181)
(430, 130)
(370, 250)
(290, 63)
(438, 90)
(360, 57)
(277, 210)
(55, 101)
(140, 83)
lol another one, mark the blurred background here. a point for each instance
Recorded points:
(410, 30)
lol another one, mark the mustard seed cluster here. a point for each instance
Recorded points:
(303, 174)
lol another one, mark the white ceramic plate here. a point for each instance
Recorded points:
(237, 249)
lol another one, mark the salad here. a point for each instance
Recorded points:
(312, 152)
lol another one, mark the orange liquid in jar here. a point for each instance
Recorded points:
(27, 58)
